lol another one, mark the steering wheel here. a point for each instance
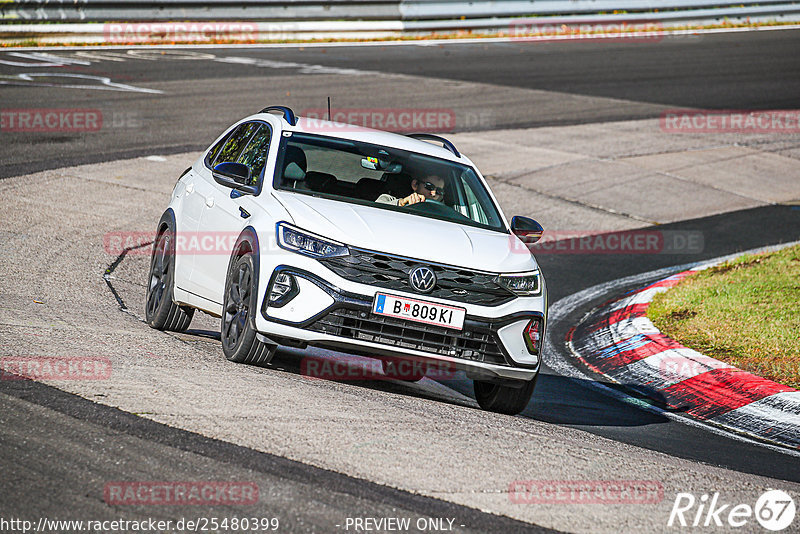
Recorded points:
(428, 206)
(435, 207)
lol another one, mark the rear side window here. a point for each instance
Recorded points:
(233, 146)
(255, 154)
(212, 154)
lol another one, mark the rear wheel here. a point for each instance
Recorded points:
(161, 312)
(238, 329)
(503, 399)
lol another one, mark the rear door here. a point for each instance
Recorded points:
(188, 221)
(226, 211)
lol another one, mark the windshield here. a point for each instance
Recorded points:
(384, 177)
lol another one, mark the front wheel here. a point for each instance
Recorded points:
(503, 399)
(238, 329)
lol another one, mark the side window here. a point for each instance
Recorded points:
(212, 154)
(255, 153)
(235, 143)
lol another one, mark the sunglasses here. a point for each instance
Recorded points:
(431, 187)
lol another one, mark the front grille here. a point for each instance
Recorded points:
(469, 344)
(390, 272)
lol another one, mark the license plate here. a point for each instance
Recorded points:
(419, 311)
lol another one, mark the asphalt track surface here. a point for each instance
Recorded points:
(614, 81)
(526, 84)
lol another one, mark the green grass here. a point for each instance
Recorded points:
(745, 312)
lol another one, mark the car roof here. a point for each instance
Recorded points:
(368, 135)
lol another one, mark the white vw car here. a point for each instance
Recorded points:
(357, 240)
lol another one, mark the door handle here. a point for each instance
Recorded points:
(190, 188)
(210, 202)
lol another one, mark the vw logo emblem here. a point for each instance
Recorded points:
(422, 279)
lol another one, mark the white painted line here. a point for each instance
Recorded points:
(154, 55)
(102, 56)
(27, 79)
(304, 68)
(41, 59)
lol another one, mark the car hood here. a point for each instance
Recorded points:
(408, 235)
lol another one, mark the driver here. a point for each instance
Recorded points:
(432, 188)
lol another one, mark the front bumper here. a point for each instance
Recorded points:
(325, 315)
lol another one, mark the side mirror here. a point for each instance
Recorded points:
(234, 175)
(528, 230)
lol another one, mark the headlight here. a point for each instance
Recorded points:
(523, 285)
(302, 242)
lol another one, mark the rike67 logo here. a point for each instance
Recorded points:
(774, 510)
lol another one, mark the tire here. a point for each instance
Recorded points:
(503, 399)
(160, 310)
(238, 324)
(397, 370)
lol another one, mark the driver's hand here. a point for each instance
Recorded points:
(413, 198)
